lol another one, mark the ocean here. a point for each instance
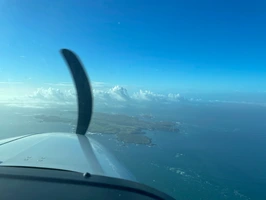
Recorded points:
(219, 153)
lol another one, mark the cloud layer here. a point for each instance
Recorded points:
(64, 94)
(117, 95)
(53, 95)
(146, 95)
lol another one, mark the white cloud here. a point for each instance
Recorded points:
(41, 98)
(147, 95)
(118, 93)
(52, 94)
(115, 96)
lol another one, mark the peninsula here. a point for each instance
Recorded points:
(128, 129)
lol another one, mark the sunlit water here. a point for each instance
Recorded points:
(219, 153)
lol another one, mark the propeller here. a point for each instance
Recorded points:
(83, 88)
(85, 106)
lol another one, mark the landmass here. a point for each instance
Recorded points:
(146, 116)
(128, 129)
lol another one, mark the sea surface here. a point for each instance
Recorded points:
(219, 153)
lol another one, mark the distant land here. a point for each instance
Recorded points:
(128, 129)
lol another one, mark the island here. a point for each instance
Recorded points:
(128, 129)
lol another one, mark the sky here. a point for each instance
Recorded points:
(163, 46)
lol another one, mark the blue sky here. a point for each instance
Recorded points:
(160, 45)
